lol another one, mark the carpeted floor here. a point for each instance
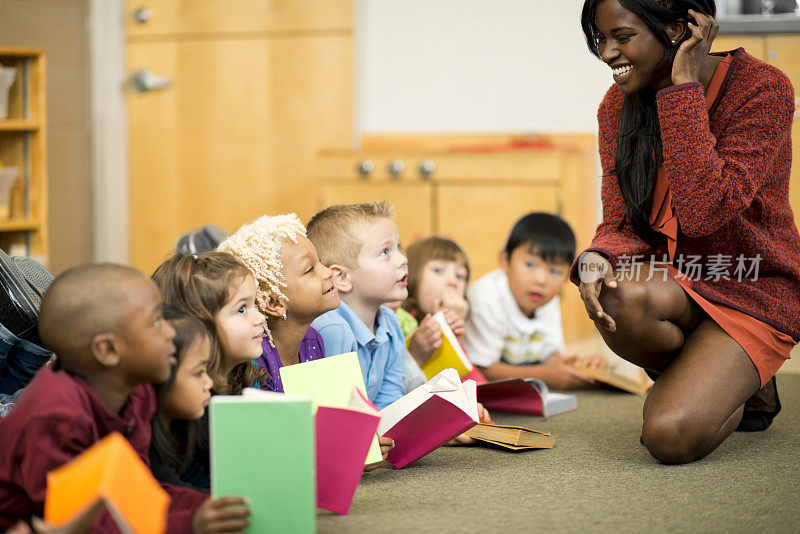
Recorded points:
(598, 478)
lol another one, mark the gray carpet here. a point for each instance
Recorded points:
(597, 478)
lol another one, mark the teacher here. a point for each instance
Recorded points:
(693, 273)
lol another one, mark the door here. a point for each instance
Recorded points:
(234, 134)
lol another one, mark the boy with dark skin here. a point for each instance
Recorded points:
(104, 323)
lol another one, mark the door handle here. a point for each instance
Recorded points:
(145, 80)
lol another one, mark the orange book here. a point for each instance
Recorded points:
(109, 474)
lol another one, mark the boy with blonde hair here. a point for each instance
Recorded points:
(361, 245)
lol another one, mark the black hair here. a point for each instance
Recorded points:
(548, 235)
(639, 149)
(175, 442)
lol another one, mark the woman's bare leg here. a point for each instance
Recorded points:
(697, 401)
(653, 318)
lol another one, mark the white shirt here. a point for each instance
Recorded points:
(497, 330)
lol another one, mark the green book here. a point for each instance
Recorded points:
(329, 382)
(262, 448)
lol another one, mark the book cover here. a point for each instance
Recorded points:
(262, 448)
(109, 474)
(344, 436)
(449, 356)
(511, 437)
(329, 382)
(528, 396)
(428, 417)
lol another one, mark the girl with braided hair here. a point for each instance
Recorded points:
(293, 289)
(696, 154)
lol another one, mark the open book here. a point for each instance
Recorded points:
(450, 356)
(262, 448)
(429, 416)
(511, 437)
(611, 378)
(524, 395)
(108, 475)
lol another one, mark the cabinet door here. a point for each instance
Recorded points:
(412, 203)
(753, 44)
(479, 217)
(177, 17)
(784, 52)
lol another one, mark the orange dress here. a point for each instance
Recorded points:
(766, 346)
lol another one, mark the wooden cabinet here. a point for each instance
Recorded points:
(782, 51)
(256, 88)
(473, 197)
(23, 136)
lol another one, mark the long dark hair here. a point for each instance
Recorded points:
(175, 442)
(639, 149)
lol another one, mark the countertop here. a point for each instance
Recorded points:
(782, 23)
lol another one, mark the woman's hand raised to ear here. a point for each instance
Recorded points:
(595, 271)
(691, 57)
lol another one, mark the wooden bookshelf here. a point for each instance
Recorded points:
(23, 144)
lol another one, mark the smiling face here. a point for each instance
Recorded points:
(382, 272)
(533, 281)
(627, 45)
(147, 337)
(190, 392)
(240, 325)
(439, 279)
(309, 284)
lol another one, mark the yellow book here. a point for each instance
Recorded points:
(449, 356)
(108, 474)
(329, 382)
(613, 379)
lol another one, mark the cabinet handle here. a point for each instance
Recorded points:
(142, 15)
(145, 80)
(396, 168)
(365, 168)
(426, 168)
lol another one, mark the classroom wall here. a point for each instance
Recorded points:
(475, 66)
(59, 26)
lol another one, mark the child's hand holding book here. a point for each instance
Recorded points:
(226, 514)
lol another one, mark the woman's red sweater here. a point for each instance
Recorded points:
(729, 170)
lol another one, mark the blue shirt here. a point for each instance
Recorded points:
(381, 355)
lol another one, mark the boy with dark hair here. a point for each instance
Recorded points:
(104, 323)
(514, 328)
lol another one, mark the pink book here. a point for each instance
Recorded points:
(428, 417)
(529, 396)
(344, 436)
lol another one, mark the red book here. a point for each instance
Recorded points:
(529, 396)
(428, 417)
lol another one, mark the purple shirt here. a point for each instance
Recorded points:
(311, 348)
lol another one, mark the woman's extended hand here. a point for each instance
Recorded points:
(594, 271)
(691, 57)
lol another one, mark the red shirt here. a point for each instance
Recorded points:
(59, 416)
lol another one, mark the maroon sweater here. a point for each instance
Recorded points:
(729, 173)
(58, 417)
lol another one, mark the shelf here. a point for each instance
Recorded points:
(18, 125)
(18, 225)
